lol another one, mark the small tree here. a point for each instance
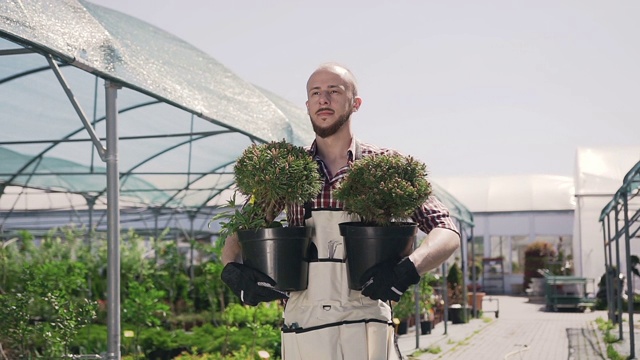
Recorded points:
(143, 308)
(454, 285)
(45, 312)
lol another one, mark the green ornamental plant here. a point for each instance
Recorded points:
(384, 188)
(406, 307)
(270, 175)
(426, 293)
(454, 284)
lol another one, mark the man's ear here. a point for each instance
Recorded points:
(357, 102)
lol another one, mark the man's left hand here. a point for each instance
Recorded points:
(389, 280)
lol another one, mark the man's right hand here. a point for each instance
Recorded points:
(251, 286)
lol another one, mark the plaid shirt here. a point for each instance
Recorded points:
(430, 215)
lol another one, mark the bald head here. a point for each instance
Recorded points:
(343, 72)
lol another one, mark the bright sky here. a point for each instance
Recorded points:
(469, 87)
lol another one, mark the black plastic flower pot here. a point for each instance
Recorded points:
(403, 327)
(458, 314)
(280, 253)
(367, 246)
(425, 327)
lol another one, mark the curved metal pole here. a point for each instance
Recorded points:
(113, 224)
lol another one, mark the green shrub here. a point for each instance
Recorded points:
(52, 291)
(92, 339)
(44, 309)
(272, 175)
(156, 343)
(384, 188)
(242, 315)
(454, 285)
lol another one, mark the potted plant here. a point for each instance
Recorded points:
(458, 312)
(426, 300)
(403, 310)
(270, 176)
(383, 190)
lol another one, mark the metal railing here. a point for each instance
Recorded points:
(620, 220)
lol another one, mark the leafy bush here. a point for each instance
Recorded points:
(247, 330)
(406, 307)
(92, 339)
(272, 175)
(52, 291)
(454, 285)
(43, 315)
(241, 315)
(384, 188)
(143, 308)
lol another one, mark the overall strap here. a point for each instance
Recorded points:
(358, 154)
(307, 210)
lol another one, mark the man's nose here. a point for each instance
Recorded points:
(324, 97)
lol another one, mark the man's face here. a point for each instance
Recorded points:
(330, 102)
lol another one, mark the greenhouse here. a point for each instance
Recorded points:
(112, 126)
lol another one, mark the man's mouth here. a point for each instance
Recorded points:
(324, 111)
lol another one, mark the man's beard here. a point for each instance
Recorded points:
(325, 132)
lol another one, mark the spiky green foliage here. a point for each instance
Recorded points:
(272, 175)
(384, 188)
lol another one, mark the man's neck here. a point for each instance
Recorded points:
(334, 146)
(333, 150)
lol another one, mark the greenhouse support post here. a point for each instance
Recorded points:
(627, 244)
(113, 224)
(617, 279)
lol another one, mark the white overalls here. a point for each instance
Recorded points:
(328, 321)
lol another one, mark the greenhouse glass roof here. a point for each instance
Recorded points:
(183, 118)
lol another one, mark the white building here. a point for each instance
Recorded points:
(511, 212)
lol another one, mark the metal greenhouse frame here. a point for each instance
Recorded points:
(169, 123)
(620, 220)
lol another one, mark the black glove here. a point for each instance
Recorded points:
(251, 286)
(389, 280)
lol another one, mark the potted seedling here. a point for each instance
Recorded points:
(383, 190)
(270, 176)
